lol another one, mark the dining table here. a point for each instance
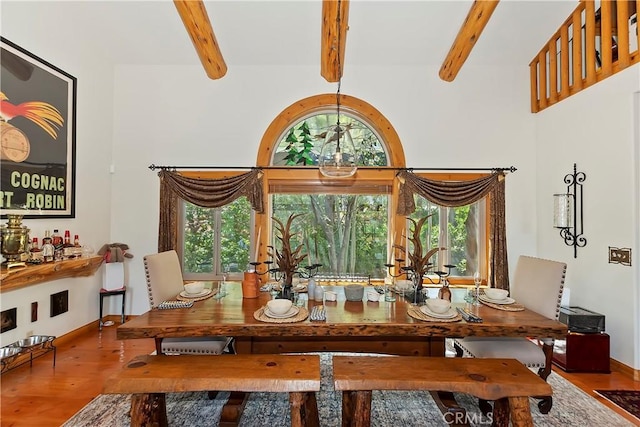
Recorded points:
(350, 326)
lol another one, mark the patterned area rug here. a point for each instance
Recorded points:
(571, 406)
(629, 400)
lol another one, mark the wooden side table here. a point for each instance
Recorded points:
(107, 293)
(583, 353)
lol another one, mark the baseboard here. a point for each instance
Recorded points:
(625, 370)
(92, 326)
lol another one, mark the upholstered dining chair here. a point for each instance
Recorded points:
(164, 282)
(537, 284)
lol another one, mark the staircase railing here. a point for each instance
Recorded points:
(599, 39)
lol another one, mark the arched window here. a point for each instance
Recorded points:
(349, 225)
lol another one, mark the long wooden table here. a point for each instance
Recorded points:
(233, 316)
(382, 327)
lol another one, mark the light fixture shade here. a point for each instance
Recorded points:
(338, 154)
(563, 210)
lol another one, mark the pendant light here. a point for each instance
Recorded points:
(338, 154)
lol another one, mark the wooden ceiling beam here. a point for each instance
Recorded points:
(468, 35)
(195, 19)
(332, 61)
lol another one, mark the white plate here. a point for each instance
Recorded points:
(507, 300)
(448, 315)
(292, 312)
(198, 295)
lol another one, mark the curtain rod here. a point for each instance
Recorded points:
(498, 169)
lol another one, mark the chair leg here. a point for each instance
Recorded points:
(458, 349)
(230, 348)
(546, 402)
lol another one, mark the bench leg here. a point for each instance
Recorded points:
(148, 410)
(304, 410)
(520, 412)
(356, 408)
(500, 413)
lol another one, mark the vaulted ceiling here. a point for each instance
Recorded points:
(267, 32)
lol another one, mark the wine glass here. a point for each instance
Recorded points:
(477, 280)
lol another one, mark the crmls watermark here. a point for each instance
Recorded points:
(466, 418)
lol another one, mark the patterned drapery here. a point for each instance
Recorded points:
(462, 193)
(208, 193)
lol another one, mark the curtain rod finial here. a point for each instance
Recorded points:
(152, 167)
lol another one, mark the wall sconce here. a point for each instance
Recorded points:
(567, 211)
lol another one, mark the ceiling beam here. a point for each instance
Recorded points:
(196, 21)
(468, 35)
(332, 61)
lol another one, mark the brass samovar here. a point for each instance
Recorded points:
(15, 240)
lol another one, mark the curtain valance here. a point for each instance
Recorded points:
(462, 193)
(208, 193)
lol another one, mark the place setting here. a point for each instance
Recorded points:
(281, 311)
(499, 299)
(195, 291)
(434, 310)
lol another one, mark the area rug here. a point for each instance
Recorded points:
(571, 407)
(629, 400)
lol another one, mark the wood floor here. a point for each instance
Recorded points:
(46, 396)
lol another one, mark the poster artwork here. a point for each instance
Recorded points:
(37, 130)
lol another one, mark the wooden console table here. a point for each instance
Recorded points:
(38, 273)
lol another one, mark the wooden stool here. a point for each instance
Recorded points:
(106, 293)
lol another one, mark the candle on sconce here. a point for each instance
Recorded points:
(392, 249)
(316, 247)
(257, 244)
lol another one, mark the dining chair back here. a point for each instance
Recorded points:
(164, 277)
(165, 282)
(537, 284)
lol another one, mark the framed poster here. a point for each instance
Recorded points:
(38, 132)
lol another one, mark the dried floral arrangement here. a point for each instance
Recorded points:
(418, 261)
(287, 259)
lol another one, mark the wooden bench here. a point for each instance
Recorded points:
(506, 381)
(148, 378)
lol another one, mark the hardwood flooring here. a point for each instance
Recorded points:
(46, 396)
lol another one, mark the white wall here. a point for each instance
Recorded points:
(37, 30)
(595, 130)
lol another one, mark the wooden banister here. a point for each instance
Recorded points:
(556, 75)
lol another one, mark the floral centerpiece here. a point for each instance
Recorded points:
(419, 263)
(287, 259)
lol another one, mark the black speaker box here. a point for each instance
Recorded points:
(581, 320)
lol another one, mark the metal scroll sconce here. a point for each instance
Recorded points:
(567, 211)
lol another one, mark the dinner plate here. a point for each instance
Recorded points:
(448, 315)
(198, 295)
(507, 300)
(292, 312)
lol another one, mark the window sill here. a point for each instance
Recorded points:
(34, 274)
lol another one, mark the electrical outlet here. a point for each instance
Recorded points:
(620, 256)
(29, 333)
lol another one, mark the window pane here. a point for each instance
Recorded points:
(302, 143)
(198, 237)
(347, 234)
(459, 229)
(213, 238)
(235, 240)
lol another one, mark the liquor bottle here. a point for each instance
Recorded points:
(47, 247)
(77, 248)
(67, 247)
(56, 239)
(36, 252)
